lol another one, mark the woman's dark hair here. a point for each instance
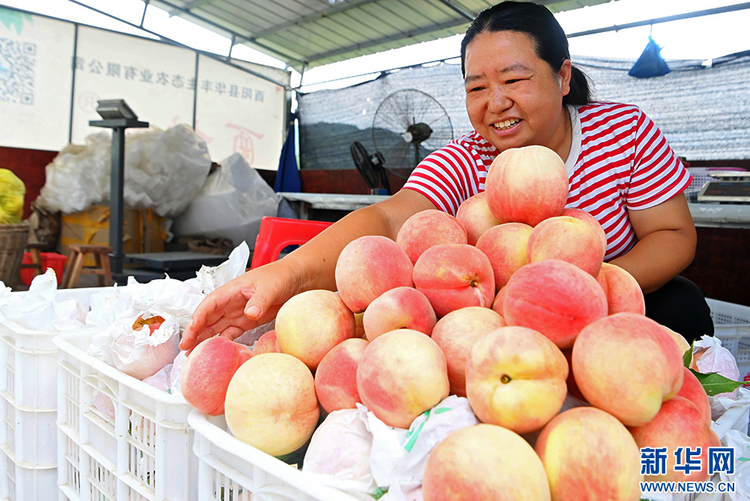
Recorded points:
(549, 39)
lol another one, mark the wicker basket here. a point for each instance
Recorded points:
(13, 241)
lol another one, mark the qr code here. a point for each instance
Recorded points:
(17, 62)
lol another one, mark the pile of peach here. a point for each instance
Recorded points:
(508, 304)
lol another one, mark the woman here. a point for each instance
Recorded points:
(521, 89)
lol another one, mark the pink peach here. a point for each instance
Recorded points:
(456, 333)
(427, 228)
(474, 214)
(453, 276)
(555, 298)
(336, 376)
(527, 185)
(506, 246)
(367, 267)
(399, 308)
(622, 290)
(568, 239)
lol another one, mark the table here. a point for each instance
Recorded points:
(714, 215)
(325, 206)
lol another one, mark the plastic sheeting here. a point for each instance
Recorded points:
(164, 170)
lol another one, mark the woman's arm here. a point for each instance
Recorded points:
(666, 243)
(254, 298)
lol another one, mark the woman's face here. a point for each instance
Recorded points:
(513, 97)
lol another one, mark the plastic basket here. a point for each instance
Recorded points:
(28, 391)
(49, 260)
(118, 438)
(732, 327)
(230, 469)
(26, 483)
(13, 241)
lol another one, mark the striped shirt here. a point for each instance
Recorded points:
(619, 160)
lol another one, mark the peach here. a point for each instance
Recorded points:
(693, 390)
(367, 267)
(555, 298)
(271, 403)
(568, 239)
(402, 374)
(474, 215)
(678, 424)
(506, 246)
(527, 185)
(627, 365)
(682, 343)
(309, 324)
(589, 456)
(359, 322)
(571, 381)
(207, 371)
(336, 376)
(590, 220)
(427, 228)
(453, 276)
(515, 378)
(622, 290)
(484, 462)
(399, 308)
(456, 333)
(497, 304)
(267, 343)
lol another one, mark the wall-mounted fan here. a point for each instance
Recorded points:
(408, 125)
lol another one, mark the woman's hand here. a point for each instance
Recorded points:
(244, 303)
(254, 298)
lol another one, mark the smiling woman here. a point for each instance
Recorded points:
(521, 90)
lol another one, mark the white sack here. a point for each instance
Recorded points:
(231, 204)
(164, 170)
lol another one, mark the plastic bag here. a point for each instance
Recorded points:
(339, 452)
(710, 356)
(231, 204)
(12, 193)
(143, 351)
(164, 170)
(399, 456)
(41, 309)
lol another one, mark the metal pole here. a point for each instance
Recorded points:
(116, 200)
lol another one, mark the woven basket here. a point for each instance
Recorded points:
(13, 241)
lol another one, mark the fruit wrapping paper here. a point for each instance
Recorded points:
(40, 308)
(396, 456)
(139, 350)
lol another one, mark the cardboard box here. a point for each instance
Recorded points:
(143, 230)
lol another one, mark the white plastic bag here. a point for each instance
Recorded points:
(231, 204)
(164, 170)
(40, 308)
(710, 356)
(399, 456)
(142, 352)
(339, 452)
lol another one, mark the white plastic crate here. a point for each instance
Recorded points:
(29, 359)
(28, 393)
(21, 483)
(119, 439)
(28, 437)
(732, 327)
(231, 470)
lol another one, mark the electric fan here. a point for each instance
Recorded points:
(408, 125)
(370, 167)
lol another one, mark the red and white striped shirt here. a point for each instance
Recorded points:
(623, 162)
